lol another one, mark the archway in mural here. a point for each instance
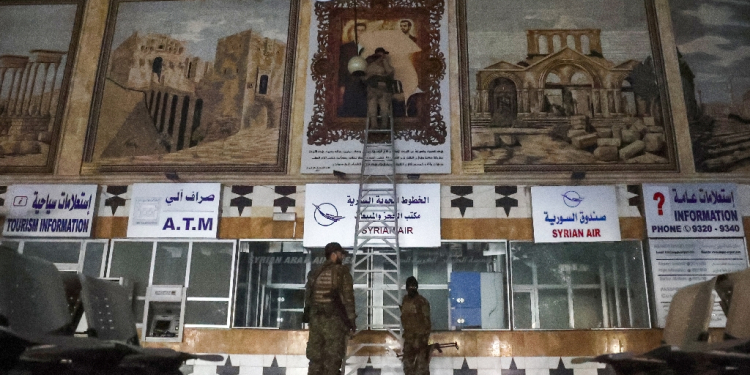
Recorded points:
(504, 101)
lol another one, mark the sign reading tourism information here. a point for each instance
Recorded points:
(174, 210)
(692, 210)
(49, 210)
(679, 262)
(575, 214)
(330, 214)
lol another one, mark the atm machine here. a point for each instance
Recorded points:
(164, 313)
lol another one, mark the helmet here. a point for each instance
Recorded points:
(333, 247)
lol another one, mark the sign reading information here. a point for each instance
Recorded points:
(575, 214)
(330, 215)
(49, 210)
(692, 210)
(174, 210)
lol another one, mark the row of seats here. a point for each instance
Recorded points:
(40, 309)
(685, 348)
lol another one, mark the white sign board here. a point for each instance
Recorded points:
(174, 210)
(692, 210)
(330, 215)
(49, 210)
(575, 214)
(677, 262)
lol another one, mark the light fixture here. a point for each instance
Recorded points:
(172, 176)
(357, 64)
(412, 176)
(578, 175)
(339, 174)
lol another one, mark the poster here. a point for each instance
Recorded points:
(676, 263)
(414, 35)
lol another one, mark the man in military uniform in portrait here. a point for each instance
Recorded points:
(415, 320)
(329, 296)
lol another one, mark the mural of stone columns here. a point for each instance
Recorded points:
(13, 67)
(54, 59)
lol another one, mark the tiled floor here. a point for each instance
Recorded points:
(297, 365)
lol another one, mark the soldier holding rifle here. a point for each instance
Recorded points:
(329, 308)
(415, 320)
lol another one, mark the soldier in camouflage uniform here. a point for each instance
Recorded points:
(330, 294)
(415, 319)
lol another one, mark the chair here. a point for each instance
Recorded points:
(111, 319)
(33, 306)
(686, 329)
(734, 292)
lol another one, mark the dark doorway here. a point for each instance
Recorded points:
(504, 99)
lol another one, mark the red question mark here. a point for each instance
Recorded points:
(660, 197)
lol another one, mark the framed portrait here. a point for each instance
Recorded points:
(349, 38)
(567, 85)
(713, 45)
(37, 50)
(194, 86)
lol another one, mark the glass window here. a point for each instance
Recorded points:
(170, 263)
(211, 269)
(132, 260)
(579, 285)
(80, 256)
(271, 278)
(204, 267)
(55, 252)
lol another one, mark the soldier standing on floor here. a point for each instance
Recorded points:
(329, 295)
(415, 319)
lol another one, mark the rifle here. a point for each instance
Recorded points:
(338, 305)
(436, 346)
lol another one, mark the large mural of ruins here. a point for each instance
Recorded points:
(193, 86)
(569, 85)
(713, 41)
(37, 49)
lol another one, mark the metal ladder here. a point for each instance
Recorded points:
(376, 261)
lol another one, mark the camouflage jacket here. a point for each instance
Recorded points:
(326, 280)
(415, 315)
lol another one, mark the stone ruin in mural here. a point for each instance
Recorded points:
(565, 103)
(159, 99)
(29, 90)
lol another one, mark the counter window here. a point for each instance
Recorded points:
(579, 285)
(80, 256)
(271, 277)
(205, 268)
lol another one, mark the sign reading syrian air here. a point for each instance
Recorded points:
(692, 210)
(174, 210)
(575, 214)
(330, 215)
(49, 210)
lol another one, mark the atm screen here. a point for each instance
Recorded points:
(161, 326)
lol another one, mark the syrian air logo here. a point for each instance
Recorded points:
(572, 199)
(326, 214)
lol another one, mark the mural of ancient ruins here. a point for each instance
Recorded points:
(567, 101)
(32, 78)
(167, 101)
(713, 40)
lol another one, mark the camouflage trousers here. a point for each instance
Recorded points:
(416, 359)
(326, 346)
